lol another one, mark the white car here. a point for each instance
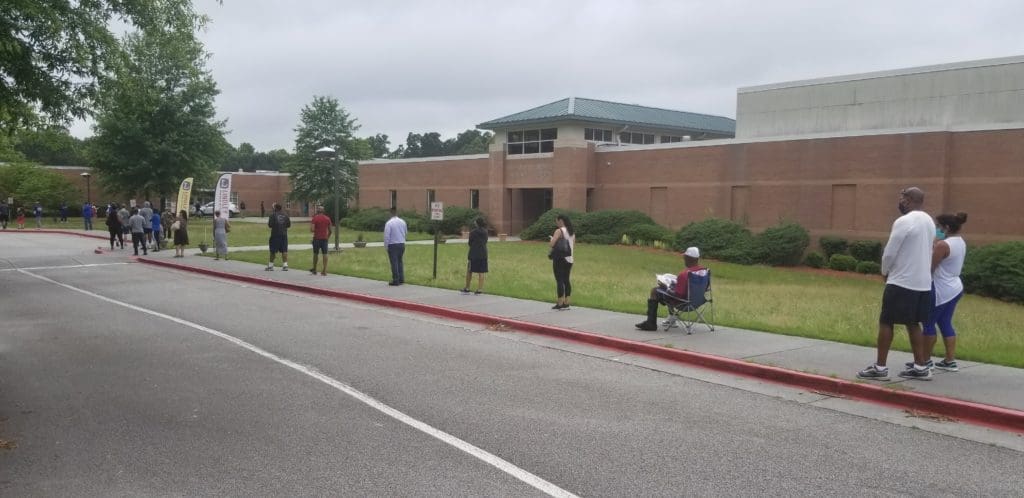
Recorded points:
(207, 209)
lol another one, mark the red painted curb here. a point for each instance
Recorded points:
(977, 413)
(62, 232)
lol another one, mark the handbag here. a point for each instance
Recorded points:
(561, 249)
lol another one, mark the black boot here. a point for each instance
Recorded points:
(652, 316)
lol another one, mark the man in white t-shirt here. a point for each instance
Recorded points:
(907, 300)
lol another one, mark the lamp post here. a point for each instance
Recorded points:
(88, 189)
(329, 153)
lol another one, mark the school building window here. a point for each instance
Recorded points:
(474, 199)
(668, 139)
(394, 198)
(597, 135)
(531, 141)
(430, 198)
(636, 138)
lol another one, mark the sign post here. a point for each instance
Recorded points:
(436, 214)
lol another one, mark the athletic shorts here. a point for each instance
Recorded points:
(905, 306)
(278, 243)
(147, 230)
(319, 246)
(478, 265)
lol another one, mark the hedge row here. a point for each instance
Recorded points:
(781, 245)
(599, 227)
(373, 219)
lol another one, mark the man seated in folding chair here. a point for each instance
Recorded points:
(677, 297)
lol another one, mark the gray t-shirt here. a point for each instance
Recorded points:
(147, 215)
(136, 222)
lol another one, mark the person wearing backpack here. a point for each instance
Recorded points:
(563, 245)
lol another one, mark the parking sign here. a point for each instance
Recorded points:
(437, 211)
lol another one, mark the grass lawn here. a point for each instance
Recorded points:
(835, 307)
(242, 233)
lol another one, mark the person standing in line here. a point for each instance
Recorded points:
(562, 266)
(158, 229)
(477, 257)
(279, 223)
(87, 212)
(123, 215)
(167, 219)
(221, 227)
(114, 228)
(180, 229)
(63, 212)
(21, 219)
(147, 214)
(37, 210)
(907, 299)
(136, 224)
(395, 231)
(5, 214)
(320, 225)
(947, 262)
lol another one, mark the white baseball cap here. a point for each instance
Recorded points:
(692, 252)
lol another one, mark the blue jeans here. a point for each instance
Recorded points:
(88, 223)
(395, 254)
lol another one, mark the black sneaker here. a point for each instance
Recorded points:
(949, 366)
(872, 372)
(312, 271)
(648, 326)
(928, 365)
(913, 373)
(465, 291)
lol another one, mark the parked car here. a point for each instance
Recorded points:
(207, 209)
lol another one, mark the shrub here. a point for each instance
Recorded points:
(782, 245)
(369, 219)
(996, 270)
(607, 227)
(545, 225)
(416, 222)
(745, 252)
(868, 267)
(832, 245)
(713, 236)
(814, 260)
(455, 219)
(842, 262)
(646, 234)
(866, 250)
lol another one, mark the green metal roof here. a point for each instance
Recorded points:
(581, 109)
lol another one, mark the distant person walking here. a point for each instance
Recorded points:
(5, 214)
(136, 224)
(320, 225)
(221, 227)
(199, 209)
(147, 214)
(279, 223)
(88, 211)
(114, 228)
(180, 230)
(395, 231)
(477, 256)
(123, 215)
(21, 219)
(63, 212)
(156, 222)
(907, 299)
(562, 265)
(947, 262)
(37, 210)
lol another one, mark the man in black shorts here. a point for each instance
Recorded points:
(907, 299)
(279, 223)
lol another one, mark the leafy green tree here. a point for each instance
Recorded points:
(430, 144)
(28, 183)
(156, 123)
(51, 146)
(379, 145)
(325, 123)
(52, 54)
(468, 142)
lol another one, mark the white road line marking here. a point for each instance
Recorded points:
(481, 454)
(65, 266)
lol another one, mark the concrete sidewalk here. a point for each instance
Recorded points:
(976, 382)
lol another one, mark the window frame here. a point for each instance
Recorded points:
(530, 141)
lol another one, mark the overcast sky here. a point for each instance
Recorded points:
(445, 66)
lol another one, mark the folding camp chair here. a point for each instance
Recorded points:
(696, 308)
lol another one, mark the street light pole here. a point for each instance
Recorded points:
(88, 189)
(330, 153)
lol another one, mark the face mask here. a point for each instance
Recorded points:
(939, 234)
(903, 209)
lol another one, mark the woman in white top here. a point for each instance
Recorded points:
(947, 261)
(562, 266)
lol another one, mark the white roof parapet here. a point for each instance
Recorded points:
(424, 159)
